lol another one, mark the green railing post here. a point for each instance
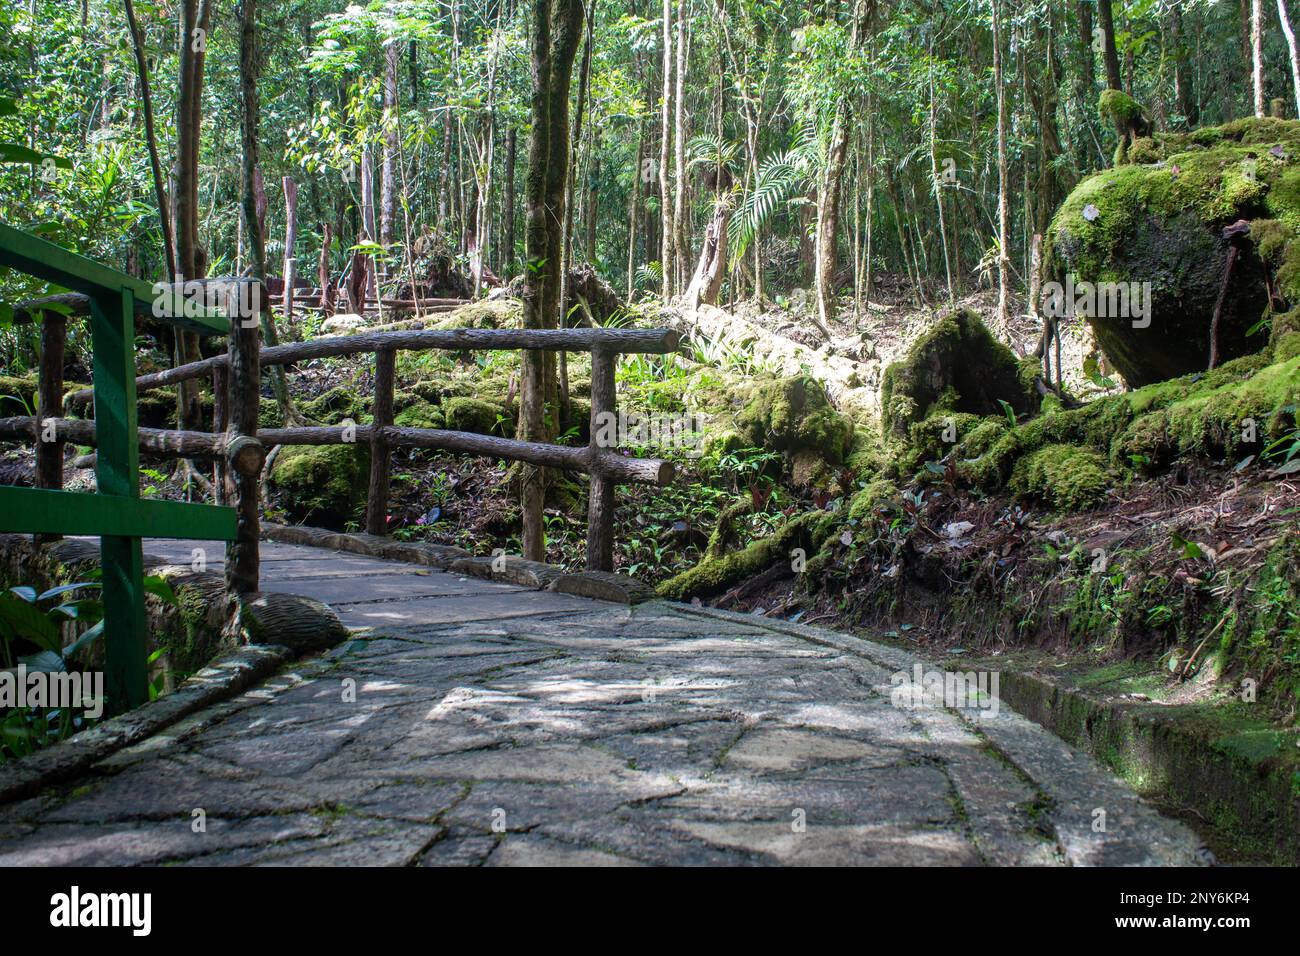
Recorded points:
(116, 514)
(117, 474)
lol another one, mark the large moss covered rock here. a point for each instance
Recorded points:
(793, 415)
(1160, 219)
(322, 484)
(958, 366)
(475, 415)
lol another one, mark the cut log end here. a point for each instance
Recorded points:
(246, 455)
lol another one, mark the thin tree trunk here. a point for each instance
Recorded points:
(681, 243)
(1285, 19)
(633, 212)
(146, 101)
(667, 236)
(1183, 98)
(507, 254)
(253, 198)
(290, 244)
(555, 38)
(1004, 213)
(1109, 54)
(388, 184)
(1257, 54)
(937, 185)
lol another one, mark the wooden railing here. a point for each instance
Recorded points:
(116, 513)
(240, 447)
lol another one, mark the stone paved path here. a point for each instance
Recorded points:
(479, 723)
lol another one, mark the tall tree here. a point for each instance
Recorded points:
(1257, 54)
(555, 34)
(829, 188)
(1109, 52)
(667, 236)
(191, 260)
(1285, 19)
(1004, 213)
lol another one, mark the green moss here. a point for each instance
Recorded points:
(1213, 421)
(1197, 415)
(1159, 220)
(487, 314)
(339, 403)
(1067, 476)
(268, 413)
(1118, 105)
(474, 415)
(865, 503)
(322, 483)
(793, 415)
(956, 366)
(17, 395)
(714, 575)
(1287, 347)
(420, 414)
(933, 439)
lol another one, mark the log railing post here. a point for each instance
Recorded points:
(245, 454)
(49, 405)
(600, 501)
(380, 460)
(221, 423)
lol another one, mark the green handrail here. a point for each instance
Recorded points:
(115, 514)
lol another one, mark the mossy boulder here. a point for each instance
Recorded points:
(420, 414)
(957, 366)
(339, 403)
(1160, 219)
(793, 416)
(474, 415)
(322, 484)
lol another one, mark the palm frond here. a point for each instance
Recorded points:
(779, 177)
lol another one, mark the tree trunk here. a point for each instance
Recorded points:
(1109, 54)
(253, 199)
(1257, 54)
(146, 102)
(388, 184)
(1004, 213)
(667, 236)
(633, 212)
(681, 243)
(712, 267)
(556, 30)
(1183, 98)
(936, 184)
(191, 262)
(290, 243)
(507, 254)
(1285, 19)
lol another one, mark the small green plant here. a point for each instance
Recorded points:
(32, 629)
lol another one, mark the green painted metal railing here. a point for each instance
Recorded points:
(116, 513)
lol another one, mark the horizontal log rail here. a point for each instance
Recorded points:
(247, 455)
(644, 341)
(239, 448)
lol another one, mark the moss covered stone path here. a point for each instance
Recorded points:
(482, 723)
